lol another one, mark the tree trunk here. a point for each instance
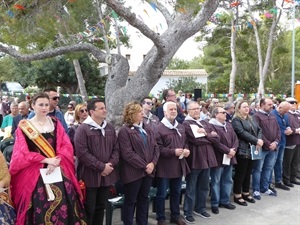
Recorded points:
(80, 80)
(233, 59)
(118, 90)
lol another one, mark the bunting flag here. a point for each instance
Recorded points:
(153, 6)
(19, 7)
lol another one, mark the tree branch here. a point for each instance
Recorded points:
(97, 53)
(133, 21)
(207, 9)
(165, 12)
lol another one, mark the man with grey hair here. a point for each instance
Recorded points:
(201, 137)
(171, 166)
(221, 176)
(229, 109)
(8, 119)
(283, 122)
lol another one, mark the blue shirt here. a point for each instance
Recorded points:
(283, 123)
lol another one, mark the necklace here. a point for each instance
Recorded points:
(41, 123)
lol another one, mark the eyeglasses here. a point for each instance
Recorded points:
(83, 110)
(216, 102)
(195, 109)
(222, 112)
(148, 103)
(55, 98)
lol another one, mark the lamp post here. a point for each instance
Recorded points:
(293, 50)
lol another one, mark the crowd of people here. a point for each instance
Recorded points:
(213, 147)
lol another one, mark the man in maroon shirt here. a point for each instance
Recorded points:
(171, 166)
(97, 151)
(262, 168)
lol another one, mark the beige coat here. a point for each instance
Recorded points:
(4, 174)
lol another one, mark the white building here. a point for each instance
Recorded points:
(200, 74)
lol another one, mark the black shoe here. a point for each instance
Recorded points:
(238, 201)
(179, 221)
(272, 188)
(289, 184)
(161, 222)
(282, 186)
(248, 198)
(227, 206)
(295, 181)
(215, 210)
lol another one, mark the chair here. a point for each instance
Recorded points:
(111, 206)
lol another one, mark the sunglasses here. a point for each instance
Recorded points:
(148, 103)
(55, 98)
(70, 107)
(293, 103)
(83, 110)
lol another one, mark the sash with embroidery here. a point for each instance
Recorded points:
(38, 139)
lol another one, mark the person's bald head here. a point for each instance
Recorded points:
(23, 108)
(283, 107)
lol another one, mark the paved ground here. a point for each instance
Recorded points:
(281, 210)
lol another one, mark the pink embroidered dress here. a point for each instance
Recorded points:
(28, 189)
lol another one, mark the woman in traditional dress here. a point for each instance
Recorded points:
(7, 212)
(41, 142)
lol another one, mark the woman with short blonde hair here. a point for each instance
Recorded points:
(140, 154)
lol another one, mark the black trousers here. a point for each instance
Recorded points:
(290, 163)
(95, 204)
(136, 195)
(242, 175)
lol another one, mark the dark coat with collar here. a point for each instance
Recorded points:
(248, 132)
(135, 155)
(93, 151)
(294, 122)
(228, 140)
(270, 128)
(169, 165)
(202, 151)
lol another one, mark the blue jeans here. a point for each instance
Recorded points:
(196, 192)
(175, 188)
(262, 170)
(221, 185)
(278, 165)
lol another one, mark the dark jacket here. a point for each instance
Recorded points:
(270, 128)
(169, 165)
(135, 155)
(16, 121)
(294, 138)
(248, 132)
(202, 154)
(283, 122)
(228, 140)
(93, 152)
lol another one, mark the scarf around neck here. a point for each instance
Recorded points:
(217, 123)
(140, 127)
(95, 125)
(149, 118)
(188, 117)
(167, 123)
